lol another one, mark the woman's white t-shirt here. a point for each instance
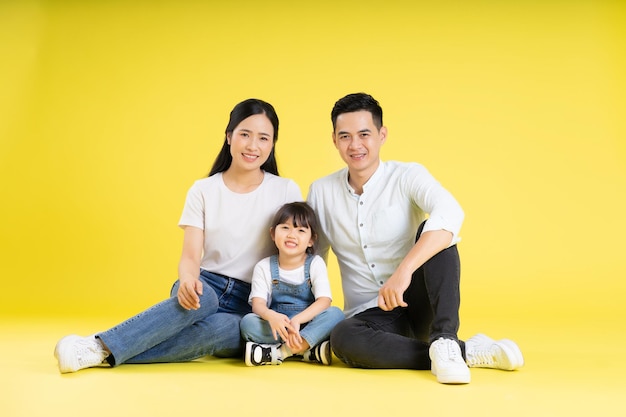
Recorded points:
(236, 226)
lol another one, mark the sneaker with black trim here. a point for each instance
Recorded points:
(319, 354)
(262, 354)
(75, 353)
(483, 352)
(447, 362)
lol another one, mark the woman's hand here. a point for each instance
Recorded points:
(190, 287)
(189, 291)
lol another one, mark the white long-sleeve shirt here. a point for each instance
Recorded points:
(371, 233)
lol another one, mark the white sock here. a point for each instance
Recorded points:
(284, 352)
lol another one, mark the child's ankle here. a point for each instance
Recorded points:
(284, 351)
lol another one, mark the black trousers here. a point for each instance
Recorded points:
(400, 339)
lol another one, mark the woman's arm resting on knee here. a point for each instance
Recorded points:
(189, 268)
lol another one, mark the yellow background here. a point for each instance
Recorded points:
(110, 110)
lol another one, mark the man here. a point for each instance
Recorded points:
(401, 292)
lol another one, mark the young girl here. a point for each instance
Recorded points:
(290, 295)
(225, 221)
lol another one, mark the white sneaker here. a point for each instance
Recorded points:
(447, 362)
(76, 352)
(484, 352)
(319, 354)
(262, 354)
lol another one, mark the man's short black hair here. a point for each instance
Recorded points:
(358, 102)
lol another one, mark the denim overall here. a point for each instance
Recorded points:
(291, 299)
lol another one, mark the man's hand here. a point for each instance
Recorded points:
(391, 294)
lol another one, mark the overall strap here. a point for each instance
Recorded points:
(307, 266)
(274, 267)
(276, 274)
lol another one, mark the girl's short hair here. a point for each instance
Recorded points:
(302, 215)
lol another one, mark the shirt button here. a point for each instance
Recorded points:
(361, 203)
(373, 265)
(361, 225)
(364, 246)
(380, 282)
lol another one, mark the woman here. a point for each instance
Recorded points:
(225, 220)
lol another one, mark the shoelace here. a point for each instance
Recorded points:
(266, 354)
(482, 357)
(87, 353)
(448, 350)
(269, 355)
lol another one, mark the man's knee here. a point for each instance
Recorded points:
(343, 335)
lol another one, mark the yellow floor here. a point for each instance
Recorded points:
(570, 371)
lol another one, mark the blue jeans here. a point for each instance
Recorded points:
(255, 329)
(166, 332)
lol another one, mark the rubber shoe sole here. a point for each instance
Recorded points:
(512, 355)
(325, 354)
(451, 377)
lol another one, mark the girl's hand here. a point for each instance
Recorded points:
(295, 340)
(188, 294)
(280, 326)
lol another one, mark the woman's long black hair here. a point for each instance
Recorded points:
(242, 111)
